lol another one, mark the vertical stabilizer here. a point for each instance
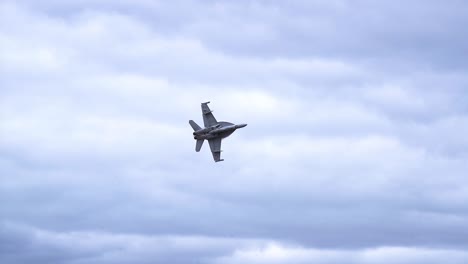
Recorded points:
(199, 144)
(194, 125)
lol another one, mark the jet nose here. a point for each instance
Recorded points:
(241, 125)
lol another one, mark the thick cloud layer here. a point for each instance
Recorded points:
(355, 150)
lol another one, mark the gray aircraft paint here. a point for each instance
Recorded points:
(213, 131)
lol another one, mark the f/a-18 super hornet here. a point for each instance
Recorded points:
(214, 131)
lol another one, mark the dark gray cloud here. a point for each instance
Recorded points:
(99, 247)
(355, 149)
(419, 34)
(234, 20)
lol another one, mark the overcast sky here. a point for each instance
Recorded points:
(355, 150)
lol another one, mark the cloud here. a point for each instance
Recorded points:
(99, 247)
(355, 150)
(274, 253)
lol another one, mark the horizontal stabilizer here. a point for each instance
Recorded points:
(199, 144)
(194, 125)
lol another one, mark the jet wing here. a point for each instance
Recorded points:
(215, 146)
(208, 117)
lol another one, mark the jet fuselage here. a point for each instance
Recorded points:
(222, 130)
(213, 131)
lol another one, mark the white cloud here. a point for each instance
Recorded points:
(274, 253)
(94, 105)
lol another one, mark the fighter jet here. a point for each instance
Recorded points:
(214, 131)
